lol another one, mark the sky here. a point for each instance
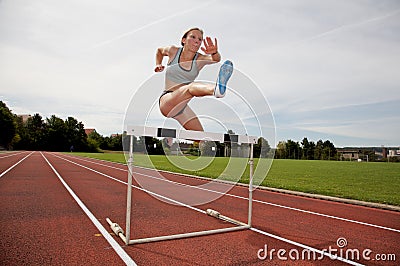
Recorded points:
(327, 70)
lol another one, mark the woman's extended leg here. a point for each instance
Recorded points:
(173, 103)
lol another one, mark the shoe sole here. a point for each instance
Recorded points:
(225, 72)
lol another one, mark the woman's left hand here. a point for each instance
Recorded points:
(209, 46)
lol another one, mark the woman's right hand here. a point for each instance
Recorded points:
(159, 68)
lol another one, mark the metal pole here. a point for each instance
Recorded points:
(251, 163)
(186, 235)
(129, 193)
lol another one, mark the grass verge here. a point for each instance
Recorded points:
(373, 182)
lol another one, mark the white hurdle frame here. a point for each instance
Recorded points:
(188, 135)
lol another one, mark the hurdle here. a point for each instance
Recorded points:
(187, 135)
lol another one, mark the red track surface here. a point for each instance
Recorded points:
(42, 224)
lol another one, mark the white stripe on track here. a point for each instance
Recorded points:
(142, 189)
(9, 155)
(6, 171)
(202, 211)
(117, 248)
(276, 205)
(254, 200)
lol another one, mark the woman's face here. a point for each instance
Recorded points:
(193, 40)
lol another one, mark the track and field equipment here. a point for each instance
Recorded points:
(188, 135)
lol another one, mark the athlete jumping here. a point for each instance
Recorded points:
(184, 65)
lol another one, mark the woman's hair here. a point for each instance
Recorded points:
(187, 32)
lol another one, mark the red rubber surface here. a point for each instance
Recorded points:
(41, 224)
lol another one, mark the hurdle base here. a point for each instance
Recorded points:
(119, 232)
(187, 235)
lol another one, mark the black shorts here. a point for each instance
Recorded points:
(166, 92)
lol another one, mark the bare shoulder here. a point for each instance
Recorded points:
(167, 50)
(170, 50)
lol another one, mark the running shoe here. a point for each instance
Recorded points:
(225, 72)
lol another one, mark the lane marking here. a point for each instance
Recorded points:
(9, 155)
(254, 200)
(277, 205)
(117, 248)
(9, 169)
(139, 188)
(196, 209)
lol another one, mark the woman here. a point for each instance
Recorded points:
(183, 67)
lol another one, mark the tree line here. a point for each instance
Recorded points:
(306, 150)
(50, 134)
(56, 134)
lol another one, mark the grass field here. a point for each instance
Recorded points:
(374, 182)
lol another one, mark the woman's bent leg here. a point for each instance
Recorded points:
(189, 120)
(172, 103)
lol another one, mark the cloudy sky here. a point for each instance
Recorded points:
(328, 69)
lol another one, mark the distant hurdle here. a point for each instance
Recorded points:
(187, 135)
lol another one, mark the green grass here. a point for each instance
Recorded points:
(373, 182)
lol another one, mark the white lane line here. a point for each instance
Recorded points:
(276, 205)
(9, 155)
(6, 171)
(322, 252)
(117, 248)
(139, 188)
(254, 200)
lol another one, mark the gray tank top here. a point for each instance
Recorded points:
(179, 75)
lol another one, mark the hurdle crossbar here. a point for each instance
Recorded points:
(188, 135)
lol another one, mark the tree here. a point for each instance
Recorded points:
(8, 126)
(95, 140)
(34, 130)
(311, 150)
(56, 134)
(308, 148)
(329, 150)
(113, 143)
(293, 149)
(75, 135)
(318, 152)
(116, 143)
(324, 150)
(281, 150)
(262, 148)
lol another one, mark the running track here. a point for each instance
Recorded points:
(53, 210)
